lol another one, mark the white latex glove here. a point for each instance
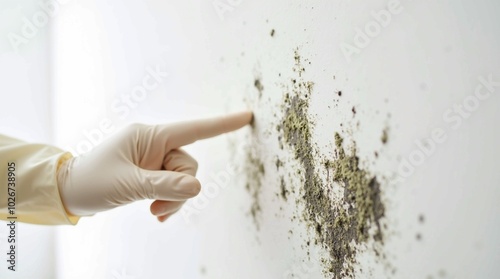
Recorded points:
(140, 162)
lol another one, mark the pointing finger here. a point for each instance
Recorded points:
(185, 133)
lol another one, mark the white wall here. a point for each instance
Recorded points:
(428, 58)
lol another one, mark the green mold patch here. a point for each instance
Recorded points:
(340, 226)
(342, 199)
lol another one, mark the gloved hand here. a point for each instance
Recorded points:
(140, 162)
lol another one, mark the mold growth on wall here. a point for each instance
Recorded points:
(255, 171)
(342, 225)
(353, 219)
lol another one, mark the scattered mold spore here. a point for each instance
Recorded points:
(284, 191)
(259, 86)
(255, 172)
(385, 136)
(418, 236)
(421, 218)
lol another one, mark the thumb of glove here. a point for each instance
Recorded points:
(106, 190)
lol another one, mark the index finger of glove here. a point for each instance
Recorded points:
(185, 133)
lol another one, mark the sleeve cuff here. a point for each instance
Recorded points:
(72, 219)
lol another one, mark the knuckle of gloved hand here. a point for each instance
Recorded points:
(149, 191)
(133, 131)
(194, 187)
(194, 164)
(134, 128)
(190, 161)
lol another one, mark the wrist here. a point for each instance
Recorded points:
(62, 178)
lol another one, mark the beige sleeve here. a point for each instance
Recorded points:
(37, 199)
